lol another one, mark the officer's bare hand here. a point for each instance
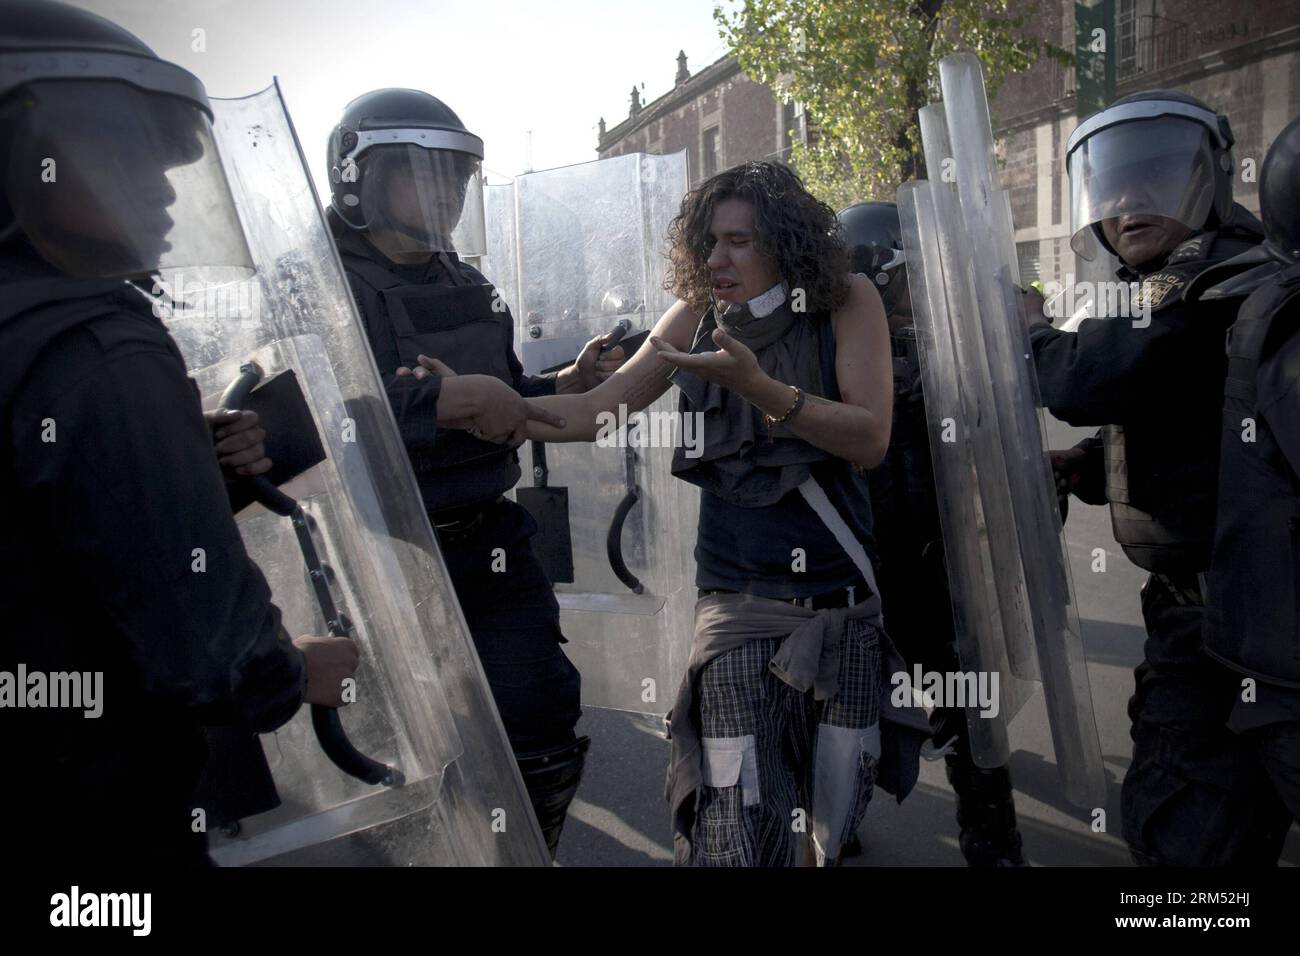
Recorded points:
(1067, 467)
(490, 409)
(239, 441)
(592, 367)
(330, 661)
(427, 366)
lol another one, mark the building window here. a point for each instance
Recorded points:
(1126, 26)
(789, 126)
(1027, 256)
(712, 159)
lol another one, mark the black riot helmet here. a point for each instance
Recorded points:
(401, 161)
(1157, 153)
(873, 234)
(1279, 194)
(108, 164)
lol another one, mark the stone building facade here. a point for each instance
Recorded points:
(1242, 57)
(718, 115)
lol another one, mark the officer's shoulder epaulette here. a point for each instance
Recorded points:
(1189, 259)
(1194, 249)
(1211, 247)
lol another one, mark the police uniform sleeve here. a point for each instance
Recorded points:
(535, 386)
(1113, 369)
(133, 496)
(1091, 489)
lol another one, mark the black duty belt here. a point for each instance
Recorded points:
(847, 596)
(457, 523)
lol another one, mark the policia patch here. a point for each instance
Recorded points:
(1156, 288)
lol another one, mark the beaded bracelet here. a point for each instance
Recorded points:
(790, 412)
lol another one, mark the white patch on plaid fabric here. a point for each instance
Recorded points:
(739, 697)
(732, 760)
(841, 788)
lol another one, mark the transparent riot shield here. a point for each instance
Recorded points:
(968, 550)
(577, 252)
(976, 267)
(977, 392)
(422, 705)
(1079, 297)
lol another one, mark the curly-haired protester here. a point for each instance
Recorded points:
(776, 728)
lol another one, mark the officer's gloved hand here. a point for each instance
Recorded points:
(239, 441)
(1034, 307)
(329, 662)
(591, 367)
(1067, 467)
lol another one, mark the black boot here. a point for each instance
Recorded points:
(986, 813)
(551, 777)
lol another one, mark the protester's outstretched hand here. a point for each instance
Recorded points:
(733, 366)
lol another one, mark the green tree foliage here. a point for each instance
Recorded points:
(862, 69)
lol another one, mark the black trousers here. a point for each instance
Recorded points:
(1278, 749)
(1269, 724)
(514, 621)
(1195, 794)
(918, 617)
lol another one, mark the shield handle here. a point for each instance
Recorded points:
(325, 721)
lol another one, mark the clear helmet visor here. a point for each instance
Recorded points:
(1152, 167)
(110, 181)
(423, 200)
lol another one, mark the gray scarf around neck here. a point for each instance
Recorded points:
(743, 461)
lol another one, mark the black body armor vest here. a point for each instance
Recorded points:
(1162, 473)
(457, 324)
(1253, 613)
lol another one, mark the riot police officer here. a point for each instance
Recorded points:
(1151, 182)
(1252, 617)
(107, 469)
(406, 190)
(912, 574)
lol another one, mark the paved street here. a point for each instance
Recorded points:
(620, 817)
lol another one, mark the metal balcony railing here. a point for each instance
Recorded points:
(1159, 43)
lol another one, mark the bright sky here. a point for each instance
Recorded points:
(505, 66)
